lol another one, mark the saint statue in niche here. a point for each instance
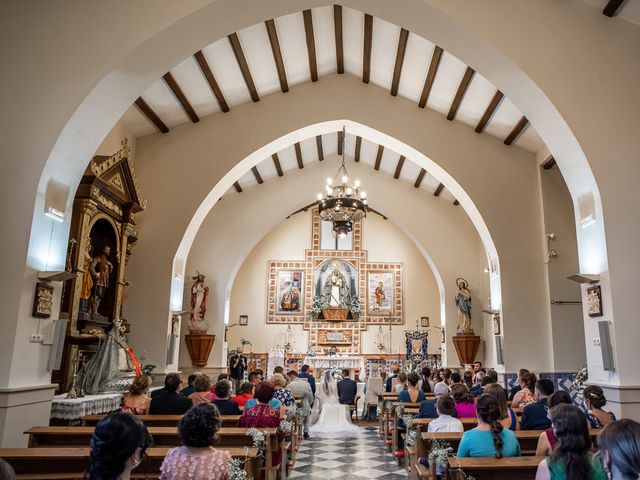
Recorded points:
(100, 270)
(199, 292)
(335, 292)
(463, 301)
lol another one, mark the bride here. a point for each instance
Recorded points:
(329, 415)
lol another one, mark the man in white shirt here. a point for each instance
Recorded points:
(446, 408)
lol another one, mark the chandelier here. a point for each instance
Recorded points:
(343, 202)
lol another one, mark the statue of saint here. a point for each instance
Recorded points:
(463, 301)
(335, 292)
(199, 294)
(100, 270)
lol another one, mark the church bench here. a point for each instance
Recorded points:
(160, 420)
(522, 468)
(392, 421)
(71, 463)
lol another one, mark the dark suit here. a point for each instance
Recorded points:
(534, 416)
(347, 390)
(169, 403)
(389, 382)
(160, 391)
(227, 407)
(476, 390)
(310, 379)
(427, 409)
(187, 391)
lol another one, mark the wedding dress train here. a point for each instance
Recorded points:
(328, 414)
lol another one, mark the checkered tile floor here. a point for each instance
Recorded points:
(360, 456)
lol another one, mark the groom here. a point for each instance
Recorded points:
(347, 389)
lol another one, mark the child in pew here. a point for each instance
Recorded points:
(620, 449)
(572, 458)
(118, 445)
(489, 438)
(197, 458)
(446, 409)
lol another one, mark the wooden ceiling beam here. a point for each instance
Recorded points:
(356, 156)
(462, 89)
(612, 7)
(488, 113)
(211, 80)
(180, 96)
(438, 190)
(151, 115)
(237, 186)
(244, 66)
(549, 164)
(337, 25)
(379, 157)
(340, 142)
(366, 51)
(421, 175)
(397, 69)
(299, 155)
(319, 147)
(256, 174)
(311, 44)
(399, 166)
(276, 163)
(431, 76)
(517, 130)
(277, 54)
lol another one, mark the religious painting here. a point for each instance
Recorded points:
(496, 324)
(43, 300)
(424, 322)
(417, 345)
(380, 293)
(289, 291)
(335, 284)
(243, 321)
(594, 301)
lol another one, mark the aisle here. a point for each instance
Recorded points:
(328, 456)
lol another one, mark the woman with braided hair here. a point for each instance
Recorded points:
(571, 459)
(489, 438)
(118, 445)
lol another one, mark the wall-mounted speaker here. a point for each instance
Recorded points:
(605, 345)
(57, 343)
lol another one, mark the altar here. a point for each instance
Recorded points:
(328, 361)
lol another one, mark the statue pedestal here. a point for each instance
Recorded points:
(335, 313)
(466, 347)
(199, 346)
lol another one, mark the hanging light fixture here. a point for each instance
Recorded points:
(343, 202)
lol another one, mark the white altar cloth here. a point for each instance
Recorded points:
(327, 361)
(75, 408)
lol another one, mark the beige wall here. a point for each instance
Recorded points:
(384, 243)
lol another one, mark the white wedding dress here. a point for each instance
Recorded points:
(328, 415)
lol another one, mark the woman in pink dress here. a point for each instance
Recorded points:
(465, 403)
(196, 458)
(203, 386)
(135, 401)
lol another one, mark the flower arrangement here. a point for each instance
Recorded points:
(354, 308)
(412, 437)
(440, 451)
(257, 436)
(236, 470)
(316, 307)
(335, 373)
(579, 379)
(400, 410)
(285, 427)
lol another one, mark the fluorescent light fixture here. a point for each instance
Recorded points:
(55, 214)
(588, 220)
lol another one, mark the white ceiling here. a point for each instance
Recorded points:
(290, 29)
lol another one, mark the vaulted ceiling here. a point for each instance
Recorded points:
(280, 53)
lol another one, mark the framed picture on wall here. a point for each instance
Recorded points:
(424, 322)
(244, 320)
(594, 301)
(496, 324)
(380, 293)
(289, 293)
(43, 300)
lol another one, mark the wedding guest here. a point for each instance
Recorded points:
(440, 375)
(477, 367)
(306, 373)
(412, 394)
(526, 394)
(548, 440)
(244, 393)
(170, 402)
(426, 385)
(620, 449)
(402, 383)
(467, 379)
(300, 388)
(516, 388)
(465, 402)
(447, 376)
(571, 459)
(278, 369)
(252, 402)
(534, 416)
(189, 389)
(478, 388)
(197, 458)
(285, 396)
(491, 373)
(428, 407)
(136, 401)
(118, 445)
(347, 389)
(202, 385)
(254, 378)
(508, 417)
(455, 378)
(263, 415)
(237, 367)
(489, 438)
(395, 371)
(223, 401)
(594, 400)
(446, 421)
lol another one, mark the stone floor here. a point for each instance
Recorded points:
(329, 456)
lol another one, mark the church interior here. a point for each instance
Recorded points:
(366, 189)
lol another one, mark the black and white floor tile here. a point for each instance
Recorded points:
(360, 456)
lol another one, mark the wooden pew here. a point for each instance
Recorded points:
(160, 420)
(391, 419)
(162, 436)
(71, 463)
(522, 468)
